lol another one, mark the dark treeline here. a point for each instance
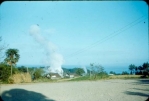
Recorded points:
(139, 70)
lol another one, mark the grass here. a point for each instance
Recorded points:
(80, 78)
(43, 80)
(125, 76)
(98, 77)
(101, 77)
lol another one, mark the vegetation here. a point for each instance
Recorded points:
(4, 72)
(96, 70)
(140, 70)
(112, 72)
(23, 69)
(132, 68)
(12, 57)
(38, 73)
(125, 73)
(124, 77)
(80, 71)
(10, 74)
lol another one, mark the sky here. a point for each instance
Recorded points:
(109, 33)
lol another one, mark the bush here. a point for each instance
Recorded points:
(38, 73)
(5, 72)
(102, 75)
(125, 73)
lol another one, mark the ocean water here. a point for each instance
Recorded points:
(116, 69)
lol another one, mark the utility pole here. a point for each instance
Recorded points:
(27, 69)
(91, 64)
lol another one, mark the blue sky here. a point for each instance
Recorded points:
(110, 33)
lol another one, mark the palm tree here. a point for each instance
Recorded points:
(12, 57)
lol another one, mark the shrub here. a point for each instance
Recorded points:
(4, 72)
(38, 73)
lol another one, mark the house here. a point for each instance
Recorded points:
(66, 75)
(70, 75)
(111, 74)
(54, 76)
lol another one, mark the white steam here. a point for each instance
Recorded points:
(53, 58)
(84, 68)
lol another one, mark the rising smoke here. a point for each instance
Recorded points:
(53, 58)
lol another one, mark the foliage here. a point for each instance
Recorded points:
(132, 68)
(22, 69)
(112, 72)
(125, 73)
(38, 73)
(102, 75)
(145, 69)
(4, 72)
(12, 57)
(140, 70)
(96, 69)
(80, 71)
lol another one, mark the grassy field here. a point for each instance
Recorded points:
(106, 77)
(124, 76)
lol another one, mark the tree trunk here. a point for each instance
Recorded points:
(11, 70)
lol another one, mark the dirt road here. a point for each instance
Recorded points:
(103, 90)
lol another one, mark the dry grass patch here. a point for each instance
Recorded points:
(124, 76)
(20, 78)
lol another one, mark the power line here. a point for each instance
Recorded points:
(135, 22)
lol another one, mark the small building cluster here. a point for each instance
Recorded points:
(57, 76)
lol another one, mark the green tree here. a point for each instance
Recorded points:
(22, 69)
(38, 73)
(140, 68)
(96, 69)
(125, 73)
(4, 72)
(132, 68)
(12, 57)
(112, 72)
(145, 67)
(80, 71)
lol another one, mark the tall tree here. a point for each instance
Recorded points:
(140, 68)
(132, 68)
(12, 57)
(145, 66)
(145, 69)
(97, 70)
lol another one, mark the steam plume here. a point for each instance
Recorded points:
(53, 58)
